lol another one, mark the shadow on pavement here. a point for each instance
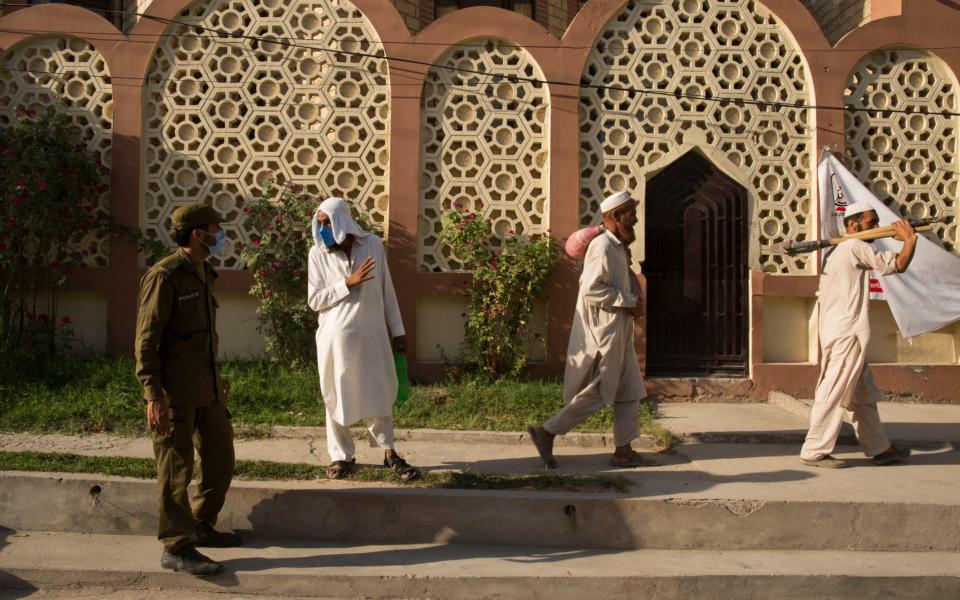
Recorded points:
(352, 556)
(12, 586)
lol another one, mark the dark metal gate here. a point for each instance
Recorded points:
(696, 270)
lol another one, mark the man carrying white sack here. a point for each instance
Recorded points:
(602, 367)
(359, 329)
(846, 383)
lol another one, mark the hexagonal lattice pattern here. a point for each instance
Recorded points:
(222, 115)
(908, 160)
(81, 82)
(484, 145)
(703, 48)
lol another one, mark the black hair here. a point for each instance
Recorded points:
(182, 236)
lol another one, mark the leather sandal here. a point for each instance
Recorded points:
(341, 469)
(403, 470)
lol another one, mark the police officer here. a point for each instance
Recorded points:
(176, 351)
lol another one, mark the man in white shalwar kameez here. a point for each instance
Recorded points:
(602, 367)
(846, 386)
(359, 329)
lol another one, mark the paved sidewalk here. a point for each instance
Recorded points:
(762, 471)
(63, 560)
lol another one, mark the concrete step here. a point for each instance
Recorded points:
(286, 568)
(376, 513)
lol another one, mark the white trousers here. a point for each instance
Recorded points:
(340, 443)
(842, 370)
(626, 423)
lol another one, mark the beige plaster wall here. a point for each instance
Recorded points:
(237, 326)
(888, 346)
(88, 313)
(440, 321)
(787, 330)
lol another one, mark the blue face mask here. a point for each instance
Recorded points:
(326, 236)
(220, 242)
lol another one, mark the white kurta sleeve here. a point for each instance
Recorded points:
(320, 294)
(594, 282)
(391, 309)
(884, 262)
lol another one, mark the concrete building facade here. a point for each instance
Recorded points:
(407, 114)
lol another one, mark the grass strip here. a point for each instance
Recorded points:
(260, 470)
(69, 394)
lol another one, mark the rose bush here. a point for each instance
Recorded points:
(506, 279)
(51, 187)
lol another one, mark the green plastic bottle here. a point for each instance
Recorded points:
(403, 383)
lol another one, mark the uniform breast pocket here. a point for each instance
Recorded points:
(189, 313)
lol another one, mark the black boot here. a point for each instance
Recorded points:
(188, 560)
(208, 537)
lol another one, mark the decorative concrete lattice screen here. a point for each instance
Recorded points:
(908, 160)
(734, 49)
(80, 81)
(484, 146)
(222, 116)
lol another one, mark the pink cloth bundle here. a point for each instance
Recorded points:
(576, 244)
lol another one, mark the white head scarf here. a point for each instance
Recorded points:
(341, 221)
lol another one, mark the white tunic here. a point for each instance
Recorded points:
(358, 377)
(844, 298)
(601, 337)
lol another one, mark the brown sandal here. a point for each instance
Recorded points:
(403, 470)
(341, 469)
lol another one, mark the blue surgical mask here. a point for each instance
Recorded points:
(220, 242)
(326, 236)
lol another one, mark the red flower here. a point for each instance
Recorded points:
(479, 204)
(66, 320)
(268, 294)
(269, 227)
(15, 200)
(11, 223)
(493, 266)
(55, 264)
(9, 153)
(460, 227)
(458, 205)
(42, 185)
(21, 182)
(256, 243)
(247, 210)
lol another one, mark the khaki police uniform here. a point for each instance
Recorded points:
(176, 352)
